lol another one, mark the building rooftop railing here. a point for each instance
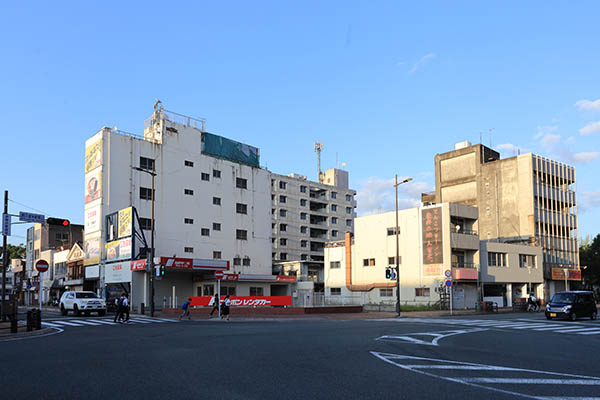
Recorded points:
(125, 133)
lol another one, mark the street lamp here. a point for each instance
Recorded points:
(396, 184)
(152, 172)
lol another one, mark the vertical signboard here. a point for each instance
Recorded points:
(125, 222)
(93, 206)
(433, 253)
(92, 249)
(93, 153)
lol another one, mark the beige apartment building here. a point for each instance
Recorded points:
(526, 199)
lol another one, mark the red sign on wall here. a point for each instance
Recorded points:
(432, 236)
(245, 301)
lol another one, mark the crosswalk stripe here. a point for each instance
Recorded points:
(530, 326)
(575, 329)
(530, 381)
(87, 322)
(101, 321)
(140, 321)
(50, 324)
(150, 320)
(589, 333)
(551, 328)
(65, 323)
(166, 319)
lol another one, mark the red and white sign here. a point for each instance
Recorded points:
(41, 265)
(193, 263)
(221, 276)
(246, 301)
(138, 265)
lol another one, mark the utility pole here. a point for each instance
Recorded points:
(4, 260)
(396, 184)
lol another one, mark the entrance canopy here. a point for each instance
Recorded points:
(174, 263)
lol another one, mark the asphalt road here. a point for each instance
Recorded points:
(499, 357)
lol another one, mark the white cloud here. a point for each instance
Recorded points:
(376, 195)
(585, 157)
(588, 105)
(588, 201)
(508, 148)
(590, 128)
(421, 62)
(570, 140)
(549, 140)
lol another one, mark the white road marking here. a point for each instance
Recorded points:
(65, 323)
(530, 326)
(551, 328)
(87, 322)
(150, 320)
(102, 321)
(590, 333)
(139, 321)
(463, 367)
(436, 336)
(566, 398)
(528, 381)
(573, 330)
(50, 324)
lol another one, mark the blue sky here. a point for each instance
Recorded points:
(384, 85)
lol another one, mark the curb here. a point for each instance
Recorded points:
(24, 335)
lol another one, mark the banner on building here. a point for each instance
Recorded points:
(118, 272)
(125, 222)
(92, 250)
(432, 269)
(93, 153)
(433, 251)
(558, 274)
(93, 185)
(92, 272)
(92, 219)
(118, 249)
(245, 301)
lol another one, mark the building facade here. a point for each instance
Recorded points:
(306, 215)
(523, 199)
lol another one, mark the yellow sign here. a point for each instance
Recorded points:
(125, 222)
(93, 155)
(92, 251)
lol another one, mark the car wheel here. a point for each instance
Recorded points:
(594, 315)
(548, 317)
(62, 310)
(573, 317)
(101, 313)
(76, 310)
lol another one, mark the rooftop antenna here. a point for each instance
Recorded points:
(318, 149)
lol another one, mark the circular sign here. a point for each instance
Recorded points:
(41, 265)
(448, 273)
(448, 283)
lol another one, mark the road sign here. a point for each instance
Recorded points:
(41, 265)
(448, 273)
(393, 274)
(6, 224)
(448, 283)
(31, 217)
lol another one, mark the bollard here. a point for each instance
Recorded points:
(38, 320)
(29, 321)
(143, 309)
(14, 327)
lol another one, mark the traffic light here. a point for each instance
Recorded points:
(388, 273)
(159, 271)
(162, 271)
(58, 221)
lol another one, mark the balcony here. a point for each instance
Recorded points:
(464, 239)
(464, 271)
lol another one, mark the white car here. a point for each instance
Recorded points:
(79, 302)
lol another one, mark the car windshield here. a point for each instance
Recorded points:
(86, 295)
(566, 298)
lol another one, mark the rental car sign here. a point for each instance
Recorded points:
(245, 301)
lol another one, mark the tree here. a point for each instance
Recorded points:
(589, 257)
(14, 252)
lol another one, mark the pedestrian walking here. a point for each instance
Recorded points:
(126, 306)
(215, 306)
(225, 307)
(119, 312)
(186, 311)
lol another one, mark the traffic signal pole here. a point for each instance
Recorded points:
(4, 260)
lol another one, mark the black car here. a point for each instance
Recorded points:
(572, 305)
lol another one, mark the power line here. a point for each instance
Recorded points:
(31, 208)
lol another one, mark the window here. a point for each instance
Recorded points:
(282, 185)
(283, 242)
(217, 201)
(241, 183)
(188, 163)
(304, 257)
(282, 199)
(227, 290)
(333, 207)
(61, 237)
(348, 197)
(241, 234)
(526, 261)
(145, 193)
(334, 233)
(392, 260)
(302, 229)
(335, 291)
(246, 261)
(188, 221)
(392, 231)
(282, 212)
(496, 259)
(368, 262)
(205, 176)
(216, 255)
(303, 216)
(334, 220)
(303, 202)
(205, 232)
(146, 224)
(216, 226)
(283, 256)
(388, 292)
(216, 173)
(282, 227)
(422, 292)
(147, 163)
(303, 243)
(348, 222)
(348, 210)
(333, 195)
(256, 291)
(188, 249)
(189, 192)
(302, 189)
(237, 261)
(334, 264)
(241, 208)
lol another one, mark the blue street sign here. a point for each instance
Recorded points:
(393, 274)
(6, 224)
(448, 283)
(31, 217)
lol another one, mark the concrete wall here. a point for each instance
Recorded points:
(512, 273)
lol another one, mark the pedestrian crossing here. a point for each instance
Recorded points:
(62, 323)
(592, 328)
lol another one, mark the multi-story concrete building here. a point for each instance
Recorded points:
(522, 199)
(212, 210)
(305, 215)
(433, 240)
